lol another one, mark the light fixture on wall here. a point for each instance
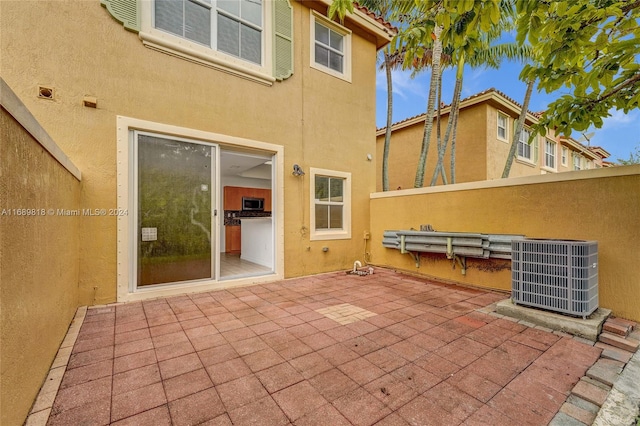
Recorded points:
(297, 170)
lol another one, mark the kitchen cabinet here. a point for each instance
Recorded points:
(233, 197)
(233, 201)
(232, 239)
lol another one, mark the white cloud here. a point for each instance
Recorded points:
(403, 85)
(619, 118)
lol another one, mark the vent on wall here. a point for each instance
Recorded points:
(560, 276)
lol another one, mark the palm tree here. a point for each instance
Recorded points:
(518, 130)
(477, 50)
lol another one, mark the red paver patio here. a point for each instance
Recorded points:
(264, 355)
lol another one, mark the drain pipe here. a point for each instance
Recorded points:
(357, 264)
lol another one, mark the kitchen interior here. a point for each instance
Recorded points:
(246, 244)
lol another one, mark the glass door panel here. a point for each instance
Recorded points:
(175, 197)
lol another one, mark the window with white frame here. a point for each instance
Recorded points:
(331, 47)
(503, 127)
(234, 27)
(525, 150)
(565, 155)
(577, 162)
(330, 204)
(550, 154)
(589, 165)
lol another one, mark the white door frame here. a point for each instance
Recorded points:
(127, 227)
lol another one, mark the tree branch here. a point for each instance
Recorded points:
(615, 90)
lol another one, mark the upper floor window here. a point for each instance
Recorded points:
(230, 26)
(503, 124)
(249, 38)
(550, 154)
(565, 154)
(331, 47)
(331, 205)
(577, 162)
(525, 150)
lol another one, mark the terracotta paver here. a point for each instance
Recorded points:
(384, 349)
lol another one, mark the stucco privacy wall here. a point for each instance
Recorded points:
(77, 48)
(38, 260)
(601, 205)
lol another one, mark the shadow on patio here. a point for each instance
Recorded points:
(332, 349)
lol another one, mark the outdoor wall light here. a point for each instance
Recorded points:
(297, 170)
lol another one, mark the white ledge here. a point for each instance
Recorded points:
(228, 65)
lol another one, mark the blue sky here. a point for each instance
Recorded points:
(619, 135)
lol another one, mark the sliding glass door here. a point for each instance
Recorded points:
(175, 205)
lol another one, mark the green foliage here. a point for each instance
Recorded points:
(340, 7)
(171, 198)
(589, 47)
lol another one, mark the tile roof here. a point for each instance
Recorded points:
(375, 17)
(476, 95)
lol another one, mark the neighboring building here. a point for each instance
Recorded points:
(486, 124)
(171, 102)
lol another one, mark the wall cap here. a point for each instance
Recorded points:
(516, 181)
(14, 106)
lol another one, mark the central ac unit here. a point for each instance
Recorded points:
(561, 276)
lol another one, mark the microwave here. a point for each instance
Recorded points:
(255, 204)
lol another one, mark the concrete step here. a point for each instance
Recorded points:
(615, 328)
(627, 344)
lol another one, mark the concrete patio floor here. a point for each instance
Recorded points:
(332, 349)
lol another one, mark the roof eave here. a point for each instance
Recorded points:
(382, 33)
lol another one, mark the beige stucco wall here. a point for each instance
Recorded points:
(79, 49)
(599, 205)
(406, 143)
(480, 155)
(38, 266)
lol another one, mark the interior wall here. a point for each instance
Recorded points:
(600, 205)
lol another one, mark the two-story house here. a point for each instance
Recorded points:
(485, 130)
(218, 140)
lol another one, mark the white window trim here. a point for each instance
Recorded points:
(186, 49)
(565, 156)
(506, 127)
(580, 162)
(531, 146)
(125, 226)
(346, 74)
(330, 234)
(555, 156)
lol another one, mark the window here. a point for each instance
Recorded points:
(577, 162)
(502, 127)
(230, 26)
(565, 155)
(589, 165)
(330, 204)
(249, 38)
(330, 47)
(550, 154)
(525, 150)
